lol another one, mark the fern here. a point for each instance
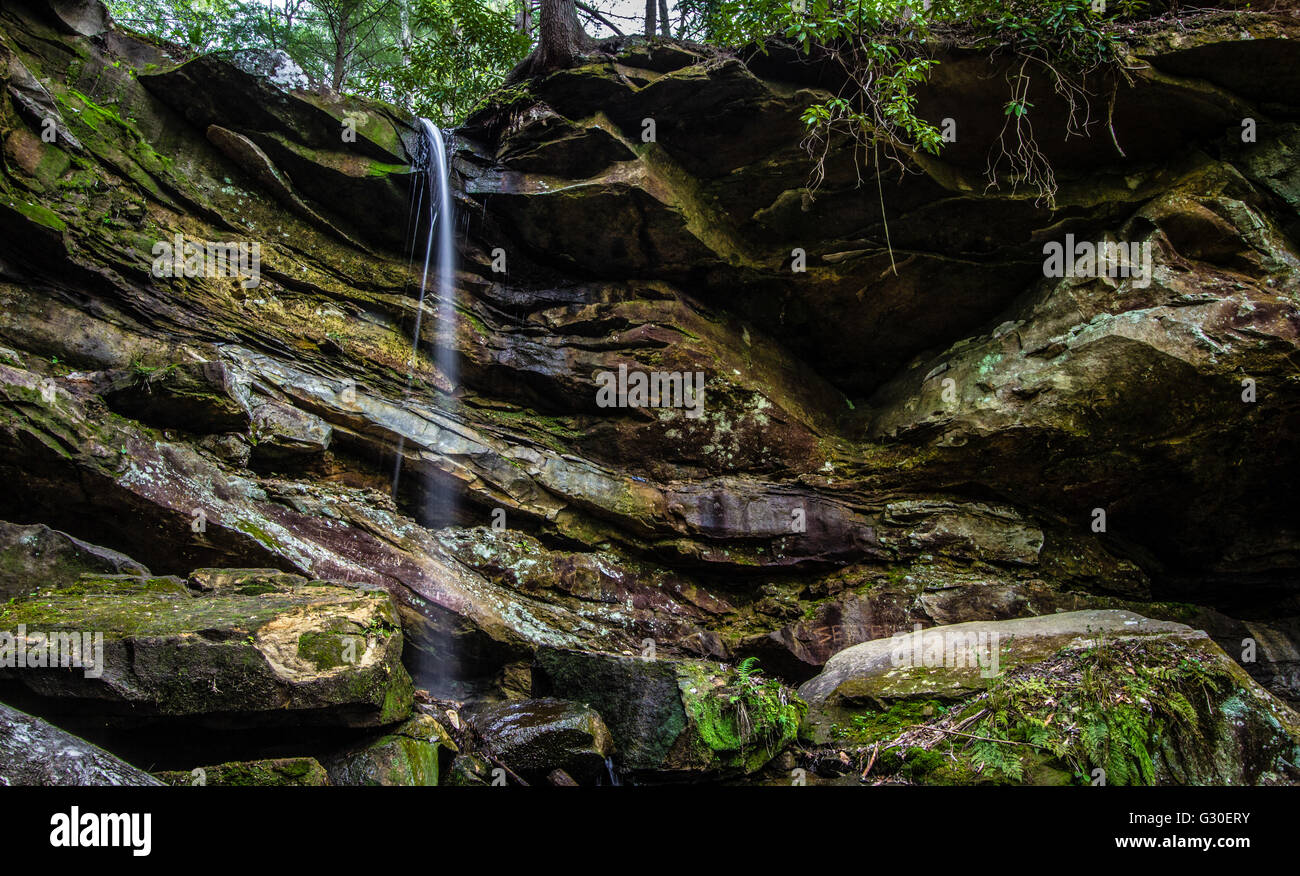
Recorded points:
(999, 757)
(1113, 713)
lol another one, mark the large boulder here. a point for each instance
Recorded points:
(35, 752)
(415, 753)
(951, 662)
(1087, 696)
(256, 647)
(535, 737)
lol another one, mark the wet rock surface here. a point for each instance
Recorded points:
(35, 752)
(539, 736)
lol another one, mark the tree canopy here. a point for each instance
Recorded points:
(436, 58)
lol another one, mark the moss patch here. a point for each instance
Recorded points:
(742, 719)
(277, 772)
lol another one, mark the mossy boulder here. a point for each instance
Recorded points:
(263, 648)
(1112, 700)
(952, 662)
(273, 772)
(1136, 711)
(469, 770)
(248, 582)
(413, 754)
(678, 716)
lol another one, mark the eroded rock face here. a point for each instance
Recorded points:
(36, 557)
(1089, 365)
(200, 397)
(913, 433)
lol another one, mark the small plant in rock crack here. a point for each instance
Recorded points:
(376, 629)
(764, 697)
(146, 374)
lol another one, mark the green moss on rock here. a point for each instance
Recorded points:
(411, 755)
(275, 772)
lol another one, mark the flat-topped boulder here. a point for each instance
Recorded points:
(1103, 697)
(272, 772)
(258, 647)
(953, 661)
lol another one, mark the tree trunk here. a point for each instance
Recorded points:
(560, 41)
(651, 6)
(406, 32)
(341, 52)
(664, 28)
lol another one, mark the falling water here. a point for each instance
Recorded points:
(431, 213)
(445, 356)
(432, 201)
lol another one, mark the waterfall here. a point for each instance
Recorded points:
(435, 194)
(431, 213)
(441, 220)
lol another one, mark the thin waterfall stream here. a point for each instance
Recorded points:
(432, 214)
(432, 201)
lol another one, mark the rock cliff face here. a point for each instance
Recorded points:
(903, 420)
